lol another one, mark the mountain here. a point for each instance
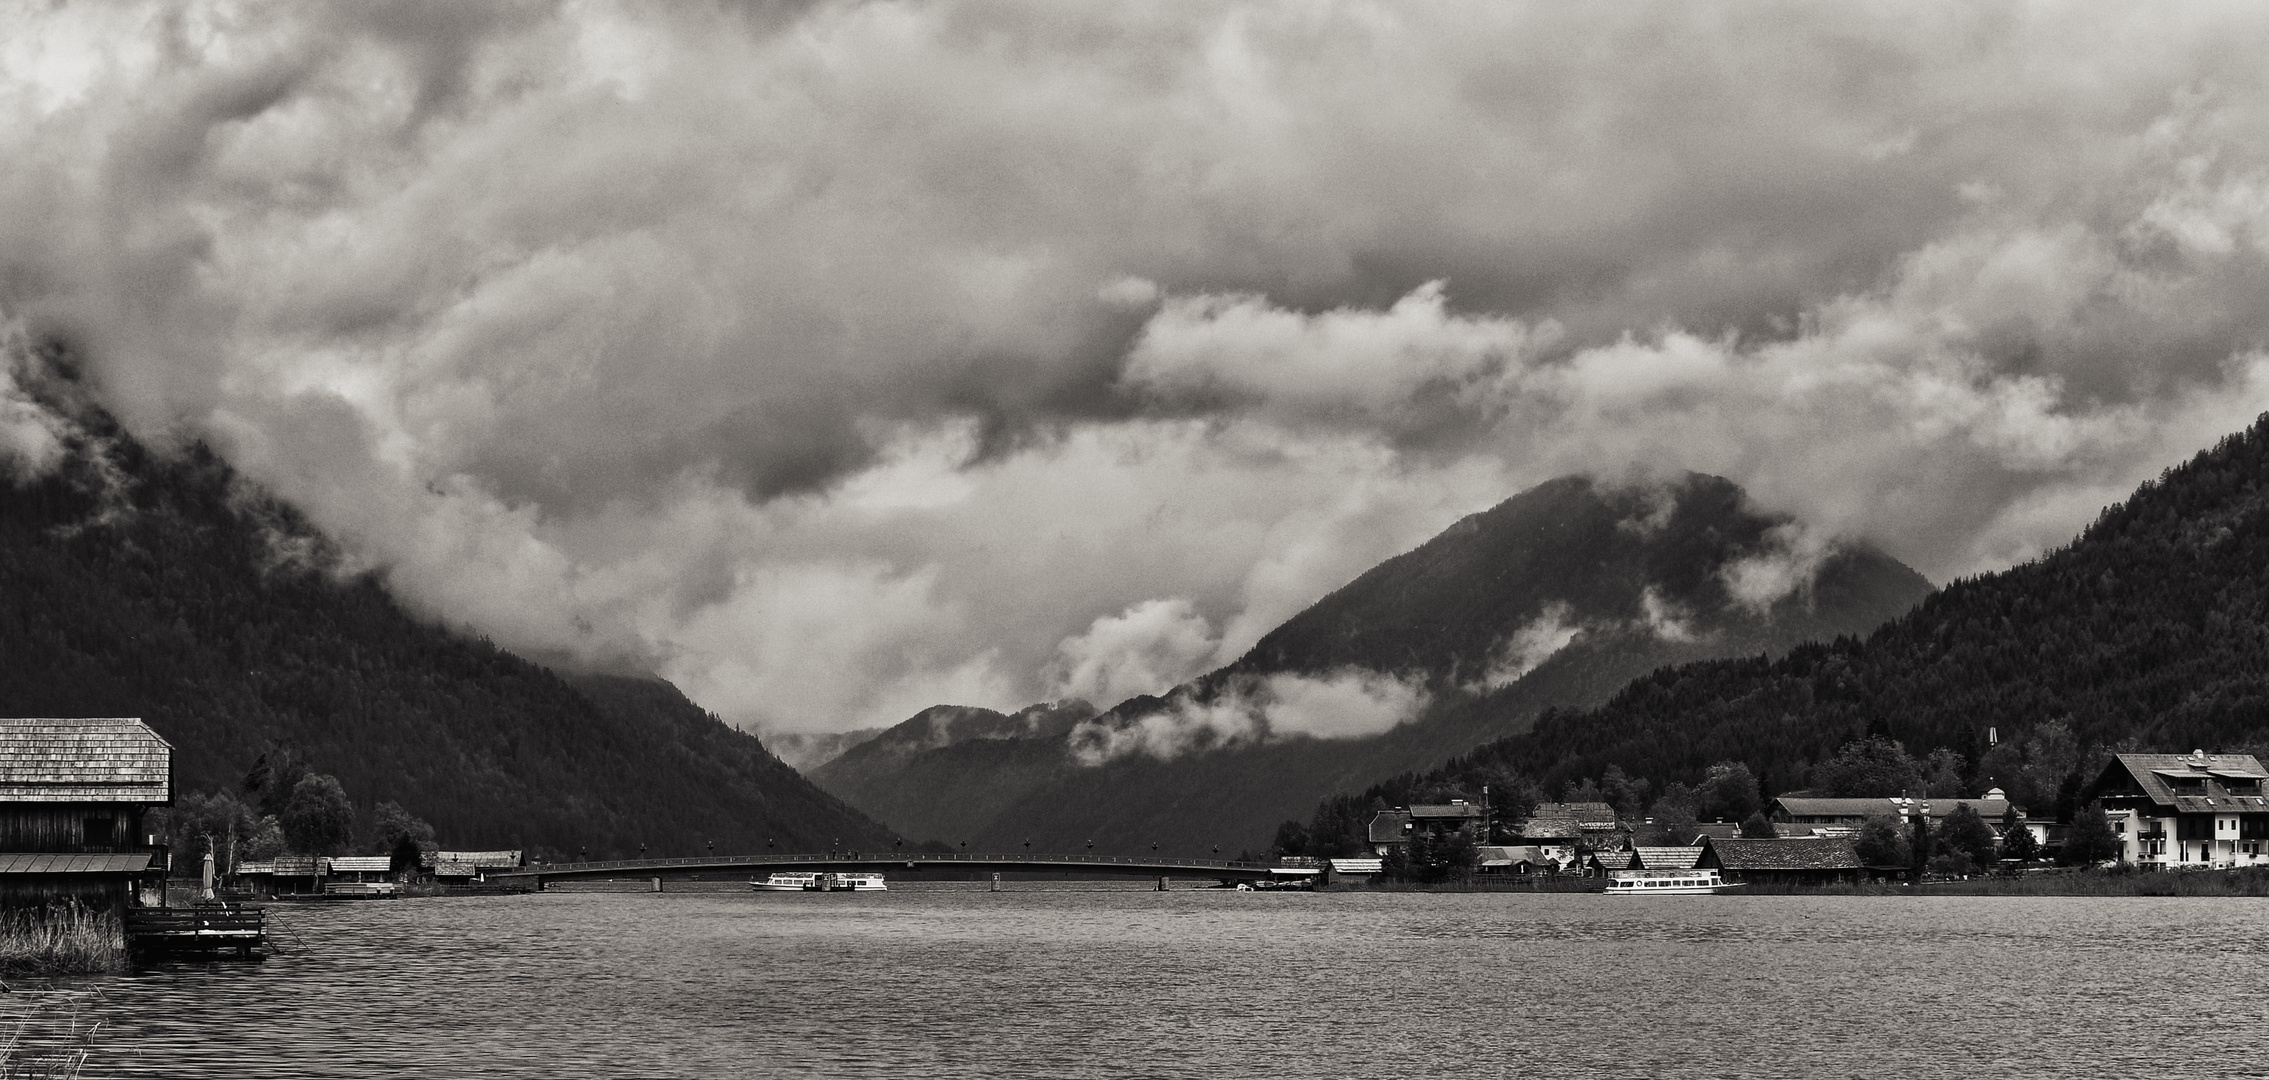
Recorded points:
(951, 770)
(1556, 597)
(2148, 632)
(808, 750)
(169, 588)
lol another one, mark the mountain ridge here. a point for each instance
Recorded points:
(1626, 578)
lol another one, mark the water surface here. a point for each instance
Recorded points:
(1072, 982)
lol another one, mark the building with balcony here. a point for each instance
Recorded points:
(2187, 811)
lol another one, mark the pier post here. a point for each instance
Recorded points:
(996, 882)
(657, 884)
(1162, 884)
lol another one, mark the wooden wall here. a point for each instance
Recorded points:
(96, 892)
(62, 826)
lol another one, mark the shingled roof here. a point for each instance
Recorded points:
(88, 759)
(1667, 858)
(1835, 854)
(2207, 777)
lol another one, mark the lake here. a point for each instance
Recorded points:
(1067, 980)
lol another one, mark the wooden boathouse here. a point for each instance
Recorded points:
(73, 793)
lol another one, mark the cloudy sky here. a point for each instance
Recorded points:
(836, 360)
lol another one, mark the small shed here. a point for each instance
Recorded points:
(465, 867)
(1798, 862)
(284, 874)
(360, 868)
(78, 787)
(1515, 859)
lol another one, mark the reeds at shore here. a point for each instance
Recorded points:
(46, 1034)
(66, 940)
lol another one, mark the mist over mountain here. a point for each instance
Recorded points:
(167, 587)
(1556, 597)
(2150, 631)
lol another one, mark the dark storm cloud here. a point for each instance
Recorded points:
(839, 358)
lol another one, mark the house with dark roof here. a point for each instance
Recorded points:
(1392, 827)
(1514, 859)
(2195, 810)
(1795, 815)
(1797, 862)
(73, 793)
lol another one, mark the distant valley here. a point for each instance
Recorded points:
(1557, 597)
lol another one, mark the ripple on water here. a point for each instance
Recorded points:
(1114, 982)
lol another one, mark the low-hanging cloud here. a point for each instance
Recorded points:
(839, 359)
(1147, 649)
(1345, 704)
(1531, 644)
(1785, 567)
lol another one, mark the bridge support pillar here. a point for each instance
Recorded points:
(996, 882)
(1162, 884)
(539, 883)
(657, 884)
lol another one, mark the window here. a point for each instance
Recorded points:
(97, 832)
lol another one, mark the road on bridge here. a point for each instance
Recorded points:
(877, 862)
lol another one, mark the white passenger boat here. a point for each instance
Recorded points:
(1666, 882)
(831, 882)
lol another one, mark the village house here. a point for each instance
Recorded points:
(1843, 817)
(2179, 811)
(1392, 828)
(1514, 859)
(73, 793)
(1823, 861)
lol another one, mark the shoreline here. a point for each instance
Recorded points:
(2118, 881)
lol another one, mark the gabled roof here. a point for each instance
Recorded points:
(1667, 858)
(1389, 827)
(346, 864)
(1449, 811)
(2158, 774)
(1835, 854)
(1614, 860)
(85, 759)
(1510, 855)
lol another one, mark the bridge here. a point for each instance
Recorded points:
(875, 862)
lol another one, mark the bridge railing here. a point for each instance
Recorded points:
(937, 857)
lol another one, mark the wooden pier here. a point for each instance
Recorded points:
(206, 929)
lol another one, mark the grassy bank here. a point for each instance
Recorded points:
(61, 941)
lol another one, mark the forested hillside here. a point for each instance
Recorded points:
(170, 589)
(2150, 631)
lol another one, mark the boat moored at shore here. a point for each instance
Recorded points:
(1666, 882)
